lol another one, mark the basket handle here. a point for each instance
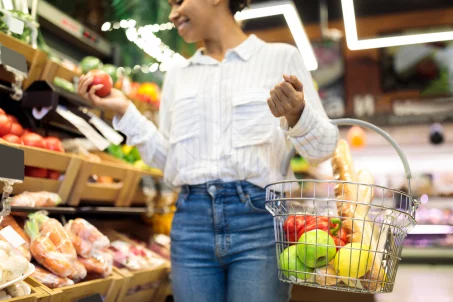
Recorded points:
(354, 122)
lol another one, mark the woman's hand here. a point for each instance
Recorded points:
(116, 101)
(287, 99)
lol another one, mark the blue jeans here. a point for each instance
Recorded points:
(223, 246)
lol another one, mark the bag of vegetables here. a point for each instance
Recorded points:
(86, 238)
(51, 247)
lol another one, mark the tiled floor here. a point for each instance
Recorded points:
(421, 283)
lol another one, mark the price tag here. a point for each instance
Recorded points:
(12, 237)
(94, 298)
(16, 26)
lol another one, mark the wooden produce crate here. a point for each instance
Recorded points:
(120, 195)
(109, 288)
(53, 69)
(37, 294)
(117, 194)
(36, 58)
(65, 163)
(142, 285)
(145, 285)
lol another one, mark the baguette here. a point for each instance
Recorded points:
(343, 169)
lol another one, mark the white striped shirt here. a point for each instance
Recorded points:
(215, 122)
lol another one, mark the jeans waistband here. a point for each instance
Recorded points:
(217, 186)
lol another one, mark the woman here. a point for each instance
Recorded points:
(220, 141)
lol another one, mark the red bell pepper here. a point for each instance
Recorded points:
(305, 223)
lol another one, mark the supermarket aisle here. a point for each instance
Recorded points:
(422, 283)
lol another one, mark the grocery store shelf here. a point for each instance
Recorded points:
(88, 210)
(427, 253)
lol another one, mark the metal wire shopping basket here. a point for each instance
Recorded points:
(312, 228)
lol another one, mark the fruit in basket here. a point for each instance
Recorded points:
(33, 140)
(36, 172)
(352, 260)
(90, 63)
(5, 125)
(54, 144)
(17, 129)
(101, 78)
(12, 139)
(316, 248)
(291, 265)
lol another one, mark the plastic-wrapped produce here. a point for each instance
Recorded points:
(12, 264)
(101, 263)
(85, 237)
(36, 199)
(51, 247)
(50, 280)
(24, 249)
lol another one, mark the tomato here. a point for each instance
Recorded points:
(36, 172)
(54, 144)
(12, 139)
(105, 180)
(2, 112)
(5, 125)
(101, 78)
(17, 129)
(26, 130)
(53, 174)
(13, 119)
(33, 140)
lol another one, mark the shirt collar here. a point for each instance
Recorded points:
(245, 51)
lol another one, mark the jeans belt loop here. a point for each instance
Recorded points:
(241, 194)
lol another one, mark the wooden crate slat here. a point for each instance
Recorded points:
(99, 193)
(117, 172)
(33, 184)
(41, 158)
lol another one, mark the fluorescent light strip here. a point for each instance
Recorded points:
(431, 230)
(355, 44)
(288, 10)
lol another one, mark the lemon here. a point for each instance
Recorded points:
(352, 260)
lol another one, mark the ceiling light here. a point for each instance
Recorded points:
(289, 12)
(355, 44)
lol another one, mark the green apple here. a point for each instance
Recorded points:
(352, 260)
(292, 266)
(316, 248)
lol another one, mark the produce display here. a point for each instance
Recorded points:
(133, 256)
(18, 289)
(343, 250)
(36, 199)
(50, 280)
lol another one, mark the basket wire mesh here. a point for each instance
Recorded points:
(311, 222)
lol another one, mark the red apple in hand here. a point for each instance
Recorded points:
(101, 78)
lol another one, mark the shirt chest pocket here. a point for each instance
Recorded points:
(253, 123)
(185, 117)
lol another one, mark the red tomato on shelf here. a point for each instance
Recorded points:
(2, 112)
(17, 129)
(12, 139)
(53, 174)
(54, 144)
(12, 118)
(5, 125)
(36, 172)
(33, 140)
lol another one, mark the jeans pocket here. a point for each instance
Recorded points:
(256, 202)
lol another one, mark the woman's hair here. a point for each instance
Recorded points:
(238, 5)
